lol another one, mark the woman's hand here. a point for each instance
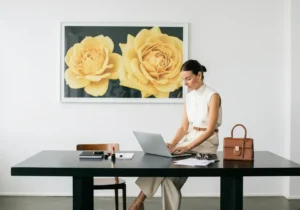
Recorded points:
(180, 150)
(170, 146)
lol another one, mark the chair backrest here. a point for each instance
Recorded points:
(107, 147)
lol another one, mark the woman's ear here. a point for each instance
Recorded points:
(199, 75)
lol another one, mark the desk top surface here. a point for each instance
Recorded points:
(67, 163)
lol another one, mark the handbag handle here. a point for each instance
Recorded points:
(241, 126)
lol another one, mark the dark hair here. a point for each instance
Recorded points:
(194, 66)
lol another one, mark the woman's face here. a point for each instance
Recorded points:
(191, 81)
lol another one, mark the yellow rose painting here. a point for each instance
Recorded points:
(152, 63)
(123, 63)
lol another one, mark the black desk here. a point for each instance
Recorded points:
(67, 163)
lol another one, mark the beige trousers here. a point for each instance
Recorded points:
(170, 188)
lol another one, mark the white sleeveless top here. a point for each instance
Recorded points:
(197, 105)
(197, 102)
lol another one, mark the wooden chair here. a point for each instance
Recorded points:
(115, 183)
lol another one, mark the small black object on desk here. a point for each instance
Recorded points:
(113, 157)
(98, 152)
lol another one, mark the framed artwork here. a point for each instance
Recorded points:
(123, 62)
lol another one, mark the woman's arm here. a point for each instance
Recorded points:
(182, 129)
(213, 114)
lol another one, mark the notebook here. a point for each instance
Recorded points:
(91, 155)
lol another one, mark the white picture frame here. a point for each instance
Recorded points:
(88, 68)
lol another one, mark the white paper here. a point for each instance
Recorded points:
(123, 156)
(193, 162)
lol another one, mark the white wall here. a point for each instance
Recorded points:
(286, 75)
(242, 45)
(295, 96)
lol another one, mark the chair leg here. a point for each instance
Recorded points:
(117, 199)
(124, 197)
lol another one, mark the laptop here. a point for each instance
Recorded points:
(154, 144)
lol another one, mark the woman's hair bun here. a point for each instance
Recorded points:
(203, 68)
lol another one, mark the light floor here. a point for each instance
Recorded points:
(105, 203)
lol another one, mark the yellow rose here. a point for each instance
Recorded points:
(152, 62)
(91, 63)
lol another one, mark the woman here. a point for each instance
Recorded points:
(203, 110)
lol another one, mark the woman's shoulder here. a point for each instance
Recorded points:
(210, 90)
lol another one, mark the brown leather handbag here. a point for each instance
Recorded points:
(238, 148)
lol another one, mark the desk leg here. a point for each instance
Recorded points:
(83, 193)
(231, 193)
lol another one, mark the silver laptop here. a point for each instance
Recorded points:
(154, 144)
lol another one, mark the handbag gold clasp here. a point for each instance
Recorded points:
(236, 148)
